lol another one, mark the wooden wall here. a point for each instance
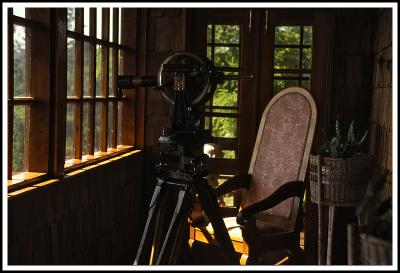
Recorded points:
(92, 217)
(166, 35)
(381, 112)
(353, 66)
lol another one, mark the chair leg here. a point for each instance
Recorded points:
(252, 260)
(297, 255)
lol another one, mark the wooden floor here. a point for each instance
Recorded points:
(204, 254)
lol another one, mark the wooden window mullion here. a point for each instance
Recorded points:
(128, 111)
(301, 52)
(10, 75)
(78, 85)
(27, 92)
(114, 140)
(92, 80)
(59, 91)
(104, 79)
(38, 87)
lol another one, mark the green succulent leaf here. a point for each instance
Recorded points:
(350, 134)
(363, 138)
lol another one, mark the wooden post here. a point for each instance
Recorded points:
(351, 244)
(330, 234)
(321, 256)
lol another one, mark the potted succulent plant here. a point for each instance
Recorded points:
(339, 173)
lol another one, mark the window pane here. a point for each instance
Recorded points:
(279, 85)
(18, 139)
(214, 151)
(86, 66)
(306, 84)
(229, 34)
(209, 34)
(230, 154)
(119, 129)
(71, 67)
(19, 61)
(97, 130)
(306, 58)
(307, 35)
(99, 15)
(110, 125)
(110, 69)
(71, 18)
(119, 61)
(226, 56)
(19, 12)
(227, 199)
(289, 35)
(98, 70)
(224, 127)
(226, 94)
(85, 129)
(207, 123)
(286, 58)
(69, 133)
(209, 52)
(86, 20)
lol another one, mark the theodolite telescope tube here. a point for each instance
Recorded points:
(128, 81)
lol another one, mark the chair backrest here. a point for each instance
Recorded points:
(281, 152)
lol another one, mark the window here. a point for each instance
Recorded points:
(292, 57)
(93, 53)
(98, 122)
(27, 93)
(222, 111)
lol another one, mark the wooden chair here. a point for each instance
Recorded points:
(269, 216)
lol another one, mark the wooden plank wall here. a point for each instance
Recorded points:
(165, 35)
(381, 112)
(353, 66)
(89, 218)
(351, 96)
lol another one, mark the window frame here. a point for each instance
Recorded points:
(36, 97)
(48, 54)
(96, 98)
(300, 70)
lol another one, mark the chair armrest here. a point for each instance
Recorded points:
(234, 183)
(287, 190)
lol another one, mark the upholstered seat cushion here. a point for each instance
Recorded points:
(235, 233)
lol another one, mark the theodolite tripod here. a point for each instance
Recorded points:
(186, 187)
(186, 80)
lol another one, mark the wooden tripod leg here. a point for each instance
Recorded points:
(210, 206)
(176, 219)
(153, 206)
(159, 227)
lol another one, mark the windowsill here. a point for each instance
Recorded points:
(90, 159)
(29, 181)
(25, 176)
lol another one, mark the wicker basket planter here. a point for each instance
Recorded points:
(338, 181)
(375, 251)
(366, 249)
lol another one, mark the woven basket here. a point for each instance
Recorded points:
(338, 181)
(375, 251)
